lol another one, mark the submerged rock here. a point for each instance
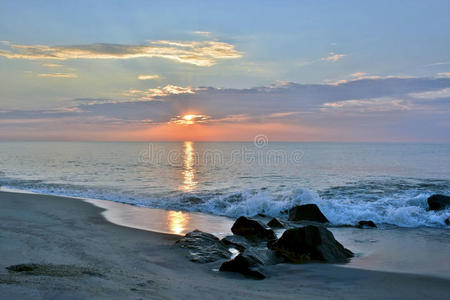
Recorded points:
(307, 243)
(245, 263)
(365, 224)
(203, 247)
(307, 212)
(252, 229)
(274, 223)
(236, 241)
(438, 202)
(447, 221)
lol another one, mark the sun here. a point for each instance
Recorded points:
(189, 119)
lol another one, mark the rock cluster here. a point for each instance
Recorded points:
(256, 244)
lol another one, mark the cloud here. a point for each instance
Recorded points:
(148, 77)
(333, 57)
(436, 94)
(52, 65)
(199, 53)
(368, 105)
(202, 33)
(438, 64)
(379, 109)
(150, 94)
(358, 74)
(58, 75)
(444, 74)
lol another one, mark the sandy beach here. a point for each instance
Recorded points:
(125, 263)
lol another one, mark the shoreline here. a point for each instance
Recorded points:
(135, 263)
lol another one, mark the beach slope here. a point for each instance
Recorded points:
(81, 255)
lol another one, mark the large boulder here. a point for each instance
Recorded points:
(203, 247)
(252, 229)
(303, 244)
(438, 202)
(245, 263)
(366, 224)
(307, 212)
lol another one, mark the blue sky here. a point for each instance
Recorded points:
(236, 45)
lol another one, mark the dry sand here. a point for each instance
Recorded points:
(87, 257)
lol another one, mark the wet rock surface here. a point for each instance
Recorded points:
(203, 247)
(307, 243)
(307, 212)
(237, 241)
(438, 202)
(245, 263)
(252, 229)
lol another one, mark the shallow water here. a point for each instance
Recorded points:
(385, 182)
(423, 251)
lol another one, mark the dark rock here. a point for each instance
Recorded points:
(245, 263)
(274, 223)
(236, 241)
(310, 243)
(252, 229)
(447, 221)
(365, 224)
(203, 247)
(438, 202)
(307, 212)
(261, 215)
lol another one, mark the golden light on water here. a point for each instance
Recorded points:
(189, 182)
(177, 221)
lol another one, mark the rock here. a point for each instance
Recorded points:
(274, 223)
(310, 243)
(203, 247)
(236, 241)
(245, 263)
(438, 202)
(447, 221)
(252, 229)
(307, 212)
(365, 224)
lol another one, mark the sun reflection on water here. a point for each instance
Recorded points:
(189, 182)
(177, 221)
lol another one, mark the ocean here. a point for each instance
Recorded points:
(384, 182)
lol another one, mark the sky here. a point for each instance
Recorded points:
(350, 71)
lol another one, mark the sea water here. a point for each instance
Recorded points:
(387, 183)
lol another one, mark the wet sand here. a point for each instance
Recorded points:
(69, 236)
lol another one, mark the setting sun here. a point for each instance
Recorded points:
(189, 119)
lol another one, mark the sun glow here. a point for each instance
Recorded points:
(189, 119)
